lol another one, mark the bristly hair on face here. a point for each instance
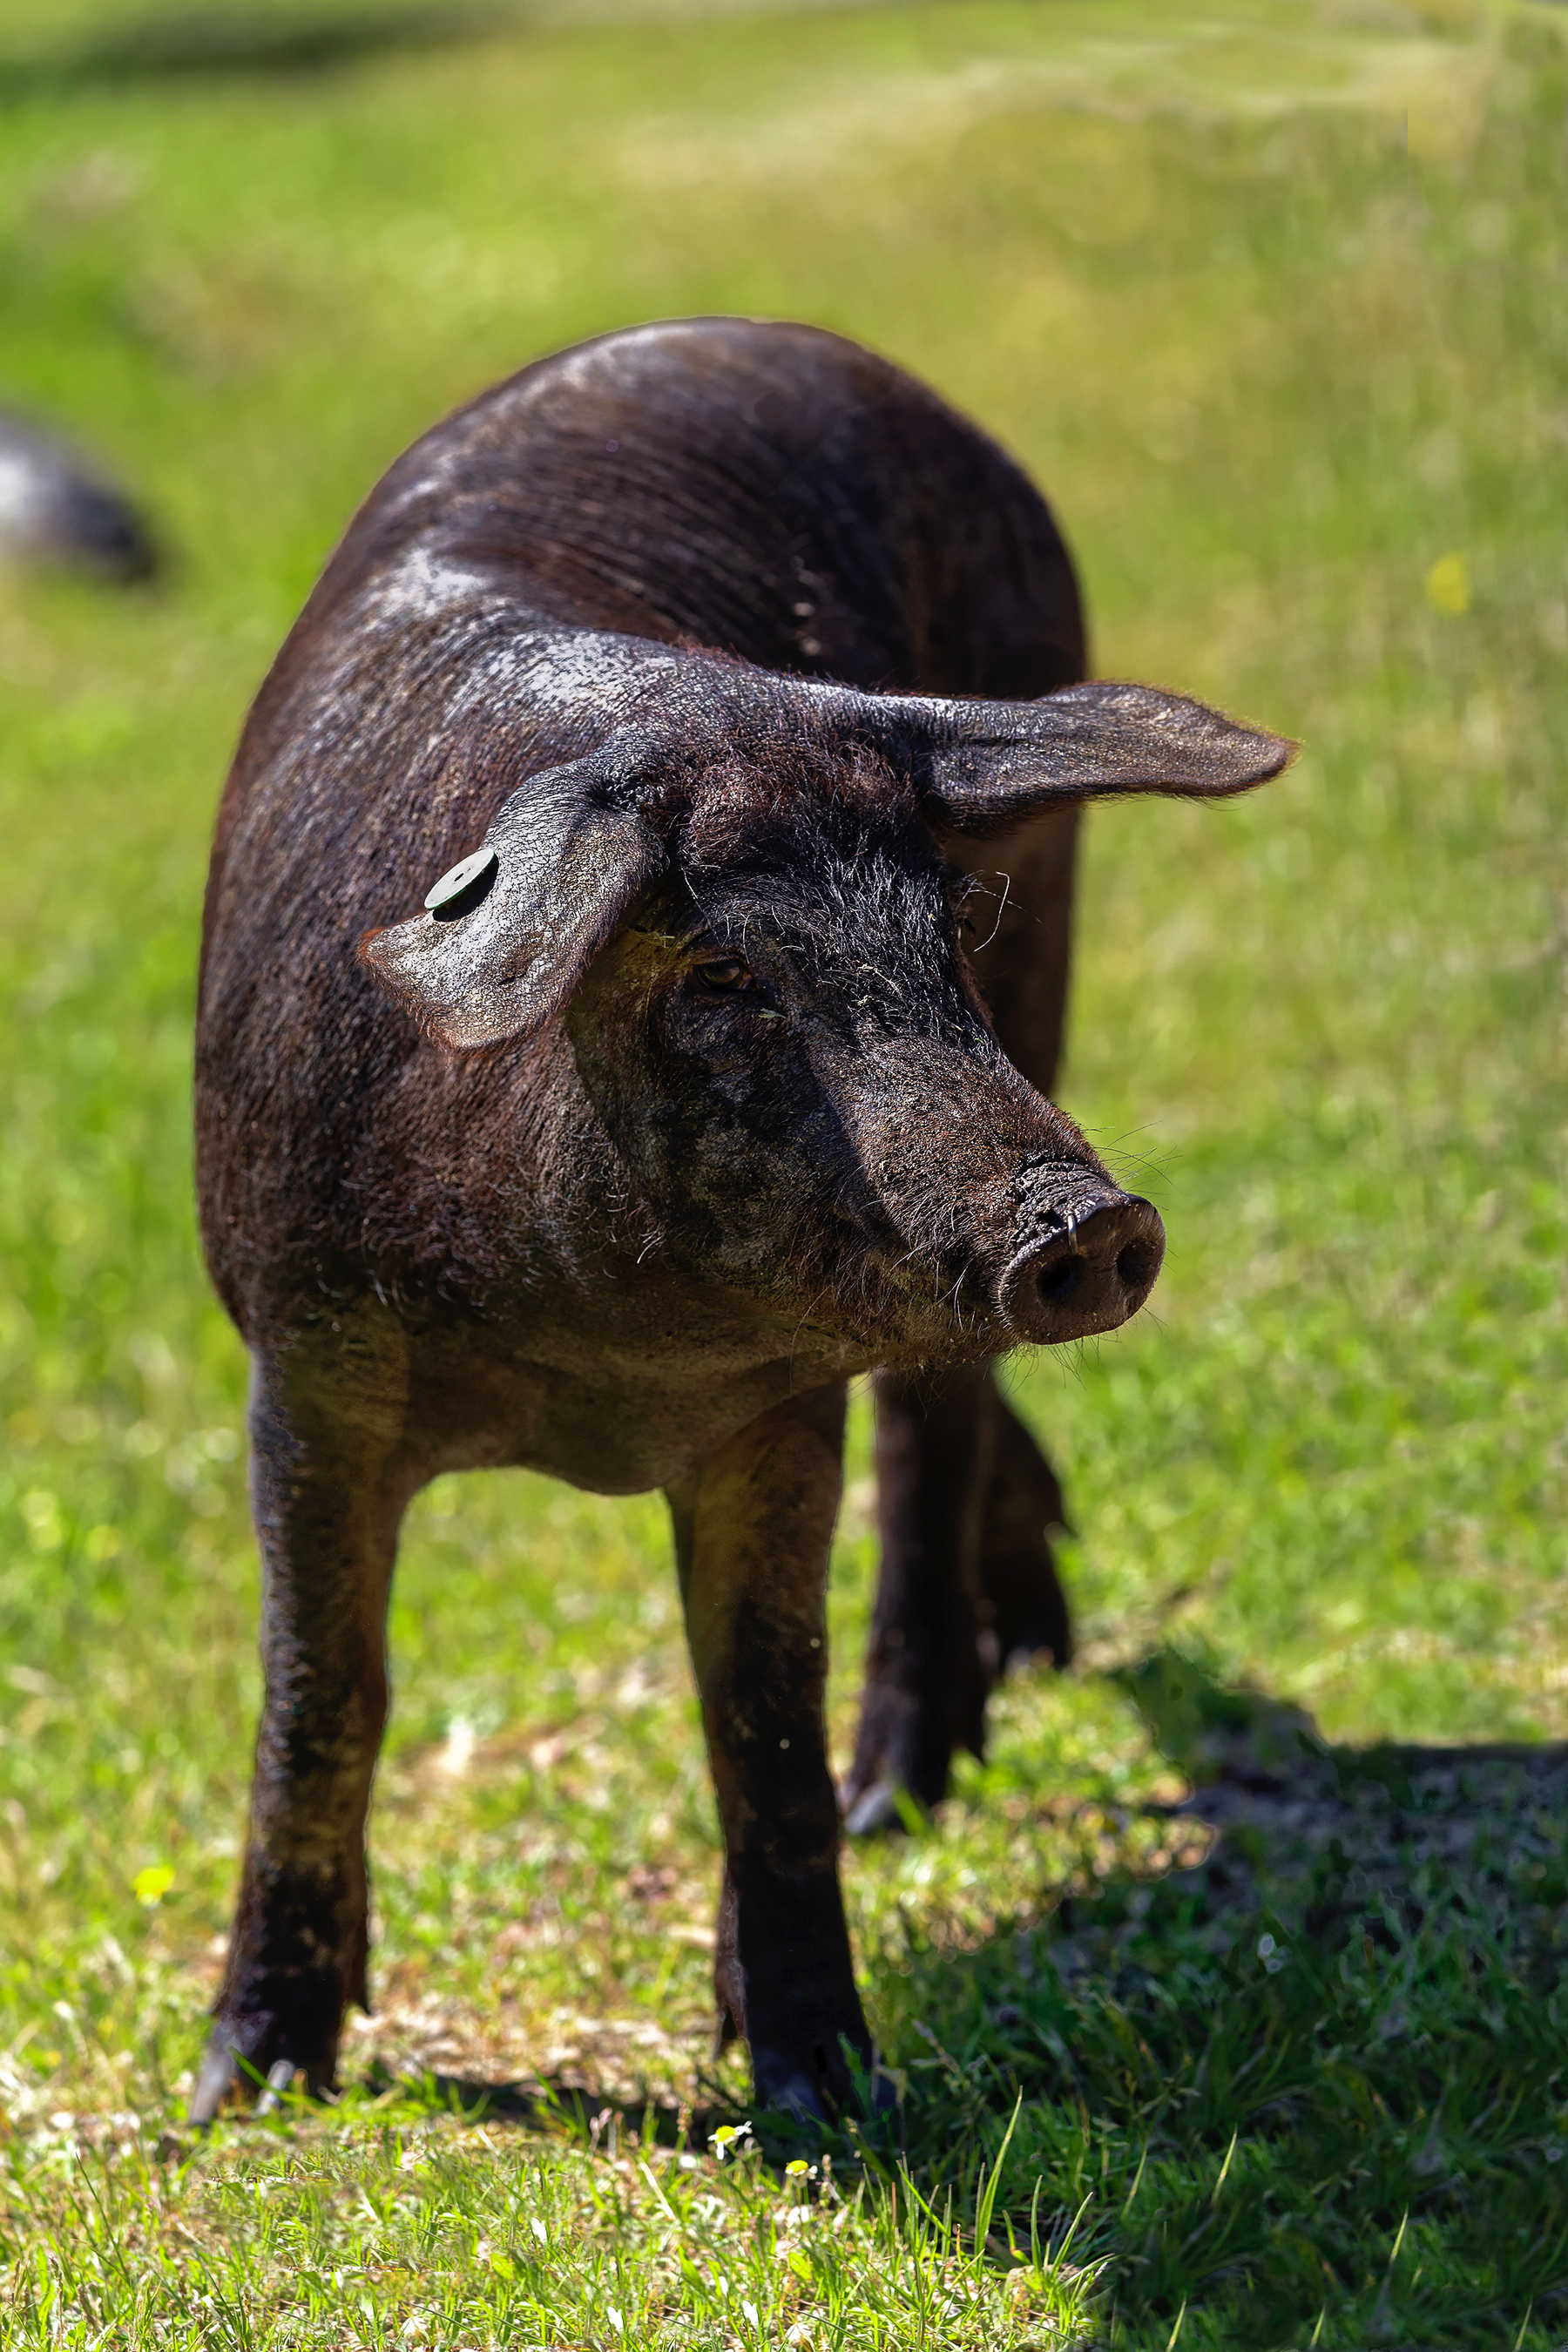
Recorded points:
(791, 774)
(815, 838)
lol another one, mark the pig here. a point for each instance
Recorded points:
(56, 509)
(615, 1034)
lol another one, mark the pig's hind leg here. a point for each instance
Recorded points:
(753, 1526)
(966, 1497)
(328, 1493)
(1025, 1608)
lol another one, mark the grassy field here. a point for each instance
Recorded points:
(1296, 380)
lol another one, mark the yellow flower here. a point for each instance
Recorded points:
(152, 1884)
(1449, 585)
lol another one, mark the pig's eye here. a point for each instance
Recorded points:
(724, 974)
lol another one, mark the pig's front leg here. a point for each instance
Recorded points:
(753, 1526)
(327, 1503)
(967, 1579)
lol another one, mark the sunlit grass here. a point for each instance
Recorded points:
(1295, 370)
(395, 2226)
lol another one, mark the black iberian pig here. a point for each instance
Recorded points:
(54, 511)
(686, 677)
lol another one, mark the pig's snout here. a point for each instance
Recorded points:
(1089, 1275)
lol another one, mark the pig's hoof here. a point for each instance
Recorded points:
(219, 2079)
(884, 1806)
(853, 2084)
(226, 2075)
(280, 2079)
(785, 2088)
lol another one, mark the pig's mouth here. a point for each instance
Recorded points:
(1089, 1262)
(1057, 1251)
(1089, 1265)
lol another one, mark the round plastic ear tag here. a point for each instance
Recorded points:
(459, 881)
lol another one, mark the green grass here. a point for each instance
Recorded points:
(1274, 364)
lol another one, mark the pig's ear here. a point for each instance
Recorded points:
(508, 933)
(988, 765)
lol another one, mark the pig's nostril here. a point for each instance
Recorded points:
(1056, 1281)
(1087, 1276)
(1139, 1263)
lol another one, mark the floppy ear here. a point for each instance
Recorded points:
(991, 765)
(508, 933)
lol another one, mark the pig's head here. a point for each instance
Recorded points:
(747, 923)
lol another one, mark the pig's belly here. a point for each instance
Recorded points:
(609, 1432)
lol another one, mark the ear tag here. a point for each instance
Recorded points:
(461, 889)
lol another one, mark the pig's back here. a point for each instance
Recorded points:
(769, 490)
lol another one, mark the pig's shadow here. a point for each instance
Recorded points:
(548, 2104)
(1288, 1809)
(1338, 1841)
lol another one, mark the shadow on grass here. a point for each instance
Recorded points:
(189, 43)
(1312, 2090)
(546, 2105)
